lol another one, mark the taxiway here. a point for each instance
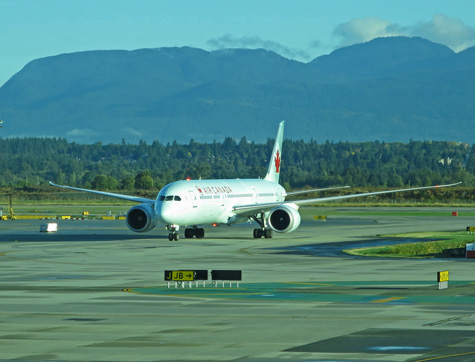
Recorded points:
(94, 291)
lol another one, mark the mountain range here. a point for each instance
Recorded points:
(389, 89)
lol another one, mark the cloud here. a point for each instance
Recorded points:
(315, 44)
(446, 30)
(254, 42)
(365, 29)
(132, 132)
(84, 132)
(442, 29)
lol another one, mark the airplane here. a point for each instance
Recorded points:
(193, 203)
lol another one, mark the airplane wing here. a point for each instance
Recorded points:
(109, 194)
(342, 197)
(293, 193)
(252, 209)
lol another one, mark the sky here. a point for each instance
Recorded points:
(296, 29)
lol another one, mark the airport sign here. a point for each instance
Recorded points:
(180, 275)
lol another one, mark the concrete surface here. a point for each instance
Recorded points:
(94, 291)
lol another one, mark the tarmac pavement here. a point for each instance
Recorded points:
(95, 291)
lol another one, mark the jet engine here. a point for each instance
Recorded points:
(284, 219)
(141, 218)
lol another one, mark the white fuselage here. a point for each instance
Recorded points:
(198, 202)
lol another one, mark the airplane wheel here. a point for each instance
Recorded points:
(188, 233)
(258, 233)
(170, 237)
(200, 233)
(176, 237)
(268, 233)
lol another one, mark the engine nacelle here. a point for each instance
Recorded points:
(141, 218)
(284, 219)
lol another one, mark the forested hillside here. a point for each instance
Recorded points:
(35, 161)
(388, 89)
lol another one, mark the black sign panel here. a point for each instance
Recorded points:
(226, 275)
(201, 275)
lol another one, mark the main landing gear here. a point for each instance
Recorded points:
(195, 231)
(263, 231)
(259, 233)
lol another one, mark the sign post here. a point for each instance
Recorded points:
(443, 279)
(228, 275)
(179, 276)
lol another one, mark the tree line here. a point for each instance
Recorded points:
(142, 166)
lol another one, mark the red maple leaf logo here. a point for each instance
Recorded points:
(277, 162)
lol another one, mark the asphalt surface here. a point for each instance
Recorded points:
(94, 291)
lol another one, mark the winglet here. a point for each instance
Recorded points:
(273, 171)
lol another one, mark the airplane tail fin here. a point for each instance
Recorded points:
(273, 171)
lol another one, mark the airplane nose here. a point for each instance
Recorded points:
(166, 213)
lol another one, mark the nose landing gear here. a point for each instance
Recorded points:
(173, 232)
(195, 231)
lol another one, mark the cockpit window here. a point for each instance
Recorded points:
(169, 198)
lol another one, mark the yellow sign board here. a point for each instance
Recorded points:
(443, 276)
(320, 217)
(180, 275)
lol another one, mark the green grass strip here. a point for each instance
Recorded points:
(423, 249)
